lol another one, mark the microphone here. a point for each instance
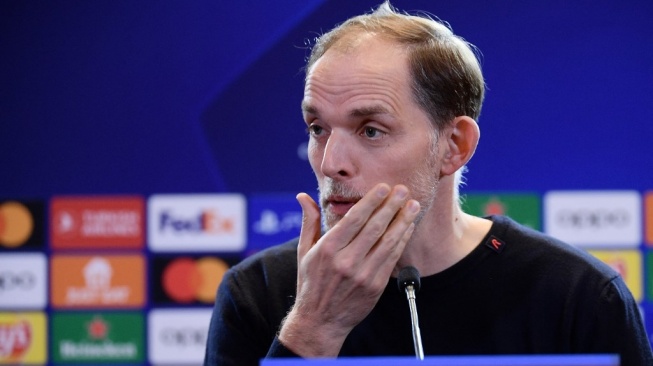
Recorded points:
(408, 281)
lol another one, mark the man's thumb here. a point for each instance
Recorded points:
(311, 228)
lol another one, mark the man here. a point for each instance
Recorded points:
(391, 103)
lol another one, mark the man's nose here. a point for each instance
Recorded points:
(337, 162)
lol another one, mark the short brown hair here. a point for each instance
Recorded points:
(446, 73)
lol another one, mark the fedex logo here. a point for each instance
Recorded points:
(206, 221)
(197, 222)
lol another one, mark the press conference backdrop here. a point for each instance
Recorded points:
(147, 146)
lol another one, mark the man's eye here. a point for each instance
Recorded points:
(371, 132)
(315, 130)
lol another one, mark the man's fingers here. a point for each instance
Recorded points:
(395, 238)
(359, 215)
(377, 223)
(311, 228)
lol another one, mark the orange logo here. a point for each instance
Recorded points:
(98, 281)
(185, 279)
(91, 222)
(648, 202)
(16, 224)
(22, 338)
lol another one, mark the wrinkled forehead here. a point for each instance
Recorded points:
(364, 49)
(369, 74)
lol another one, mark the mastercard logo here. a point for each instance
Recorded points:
(16, 224)
(186, 279)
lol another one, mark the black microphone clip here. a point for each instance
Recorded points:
(408, 281)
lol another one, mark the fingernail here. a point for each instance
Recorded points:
(383, 191)
(402, 192)
(413, 206)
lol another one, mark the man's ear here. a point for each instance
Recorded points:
(460, 141)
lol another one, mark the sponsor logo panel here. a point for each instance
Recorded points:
(22, 225)
(649, 276)
(523, 208)
(23, 338)
(177, 337)
(210, 222)
(648, 209)
(188, 280)
(23, 280)
(97, 222)
(273, 219)
(110, 281)
(98, 337)
(594, 218)
(628, 263)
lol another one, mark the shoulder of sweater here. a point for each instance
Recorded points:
(278, 258)
(531, 244)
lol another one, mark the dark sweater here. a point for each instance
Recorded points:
(518, 292)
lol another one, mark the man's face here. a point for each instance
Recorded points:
(365, 128)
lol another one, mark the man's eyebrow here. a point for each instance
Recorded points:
(369, 111)
(308, 109)
(358, 112)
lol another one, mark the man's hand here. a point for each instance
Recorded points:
(342, 274)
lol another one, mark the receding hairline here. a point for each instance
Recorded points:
(387, 23)
(437, 57)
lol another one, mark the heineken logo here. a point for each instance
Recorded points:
(106, 350)
(97, 328)
(521, 207)
(494, 207)
(116, 337)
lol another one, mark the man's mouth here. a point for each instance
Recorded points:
(339, 205)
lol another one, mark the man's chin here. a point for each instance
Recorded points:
(329, 221)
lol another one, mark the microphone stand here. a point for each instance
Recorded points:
(417, 337)
(408, 280)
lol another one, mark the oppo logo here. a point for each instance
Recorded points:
(593, 219)
(185, 337)
(16, 280)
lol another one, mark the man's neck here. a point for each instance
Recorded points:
(443, 237)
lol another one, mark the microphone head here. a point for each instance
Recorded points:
(408, 275)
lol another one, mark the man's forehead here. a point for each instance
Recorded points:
(362, 45)
(375, 72)
(362, 110)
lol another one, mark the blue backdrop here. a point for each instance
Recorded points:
(203, 96)
(148, 97)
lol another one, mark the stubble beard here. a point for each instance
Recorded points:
(422, 184)
(334, 188)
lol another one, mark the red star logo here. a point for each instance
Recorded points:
(97, 328)
(494, 207)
